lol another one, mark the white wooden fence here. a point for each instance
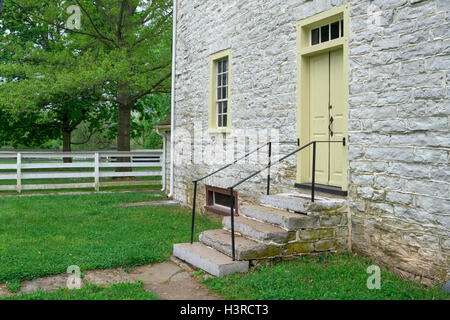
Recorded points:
(99, 166)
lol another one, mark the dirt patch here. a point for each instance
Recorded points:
(107, 277)
(150, 204)
(3, 292)
(49, 283)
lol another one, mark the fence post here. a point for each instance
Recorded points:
(97, 172)
(19, 173)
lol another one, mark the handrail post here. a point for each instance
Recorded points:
(313, 172)
(232, 224)
(193, 212)
(268, 170)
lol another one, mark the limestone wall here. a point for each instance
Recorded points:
(399, 136)
(399, 111)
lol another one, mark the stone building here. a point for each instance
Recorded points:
(372, 75)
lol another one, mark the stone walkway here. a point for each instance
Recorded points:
(167, 280)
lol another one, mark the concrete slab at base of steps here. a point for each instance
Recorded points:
(208, 259)
(302, 203)
(245, 249)
(257, 230)
(283, 218)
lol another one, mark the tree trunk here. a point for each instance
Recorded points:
(67, 143)
(123, 128)
(123, 125)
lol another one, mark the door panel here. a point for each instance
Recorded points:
(326, 94)
(319, 97)
(337, 111)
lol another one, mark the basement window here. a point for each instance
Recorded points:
(218, 200)
(327, 32)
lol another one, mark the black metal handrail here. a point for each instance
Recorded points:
(313, 143)
(269, 144)
(270, 164)
(213, 173)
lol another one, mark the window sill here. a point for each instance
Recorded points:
(220, 210)
(225, 130)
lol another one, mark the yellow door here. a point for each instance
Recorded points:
(327, 120)
(319, 97)
(337, 111)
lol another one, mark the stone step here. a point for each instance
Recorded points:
(258, 230)
(208, 259)
(302, 203)
(283, 218)
(245, 249)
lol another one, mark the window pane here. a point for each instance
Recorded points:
(224, 107)
(219, 121)
(222, 199)
(225, 79)
(324, 33)
(225, 65)
(224, 123)
(219, 93)
(315, 36)
(342, 28)
(335, 30)
(224, 92)
(219, 80)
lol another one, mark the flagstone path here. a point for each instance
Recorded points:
(169, 280)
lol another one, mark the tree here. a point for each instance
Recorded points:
(122, 47)
(27, 130)
(32, 112)
(152, 109)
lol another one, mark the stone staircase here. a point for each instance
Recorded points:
(279, 226)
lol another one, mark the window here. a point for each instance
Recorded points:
(222, 93)
(327, 32)
(219, 100)
(218, 200)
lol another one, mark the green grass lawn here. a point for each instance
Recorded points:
(43, 235)
(331, 277)
(122, 291)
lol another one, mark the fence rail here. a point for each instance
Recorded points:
(103, 168)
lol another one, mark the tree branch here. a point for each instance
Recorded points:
(92, 22)
(64, 28)
(152, 90)
(87, 139)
